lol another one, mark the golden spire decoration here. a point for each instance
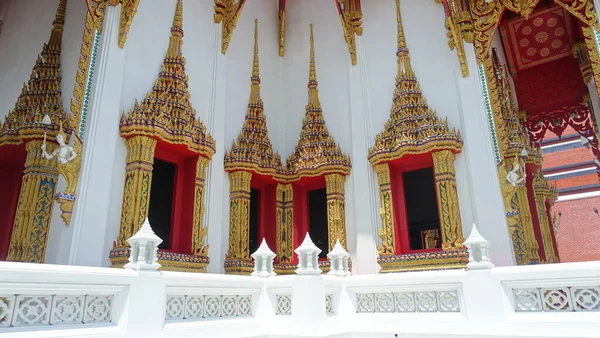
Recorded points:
(41, 94)
(413, 127)
(253, 151)
(316, 153)
(166, 113)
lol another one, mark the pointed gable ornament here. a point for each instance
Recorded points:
(316, 153)
(166, 113)
(253, 151)
(413, 128)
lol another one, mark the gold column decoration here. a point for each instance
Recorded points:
(285, 223)
(228, 13)
(138, 181)
(414, 128)
(386, 212)
(350, 17)
(520, 221)
(580, 52)
(336, 209)
(129, 8)
(128, 11)
(513, 140)
(543, 193)
(281, 18)
(486, 16)
(459, 25)
(445, 183)
(238, 253)
(200, 231)
(34, 208)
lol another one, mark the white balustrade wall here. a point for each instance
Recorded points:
(555, 300)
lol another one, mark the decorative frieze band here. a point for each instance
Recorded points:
(563, 299)
(401, 302)
(36, 310)
(199, 307)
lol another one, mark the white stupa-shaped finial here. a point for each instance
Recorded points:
(478, 251)
(338, 259)
(144, 249)
(308, 257)
(263, 261)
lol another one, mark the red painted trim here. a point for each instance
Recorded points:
(267, 201)
(399, 204)
(182, 212)
(397, 168)
(300, 222)
(337, 5)
(270, 228)
(12, 164)
(530, 169)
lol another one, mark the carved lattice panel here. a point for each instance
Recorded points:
(284, 304)
(557, 299)
(67, 310)
(402, 302)
(329, 305)
(97, 309)
(32, 310)
(40, 310)
(198, 307)
(7, 305)
(175, 307)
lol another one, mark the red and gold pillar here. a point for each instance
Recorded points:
(238, 259)
(200, 231)
(138, 181)
(336, 209)
(34, 208)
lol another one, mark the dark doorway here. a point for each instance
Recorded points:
(12, 164)
(254, 219)
(317, 217)
(421, 207)
(160, 210)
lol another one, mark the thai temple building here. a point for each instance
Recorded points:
(299, 168)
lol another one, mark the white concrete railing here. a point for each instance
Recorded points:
(557, 300)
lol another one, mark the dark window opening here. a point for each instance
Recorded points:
(421, 209)
(160, 210)
(254, 219)
(317, 217)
